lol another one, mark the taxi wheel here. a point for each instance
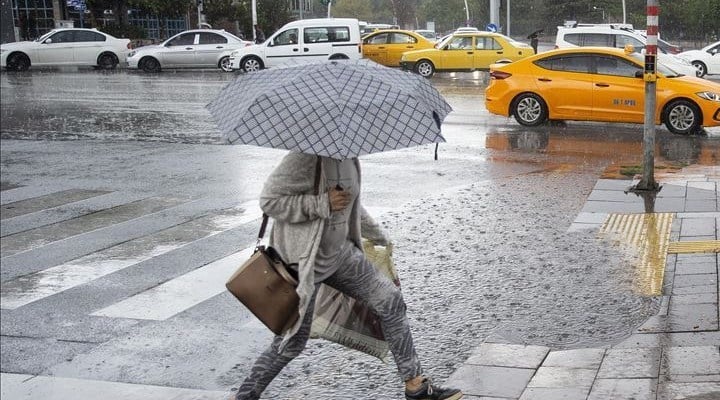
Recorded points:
(529, 109)
(224, 64)
(682, 117)
(252, 64)
(701, 67)
(425, 68)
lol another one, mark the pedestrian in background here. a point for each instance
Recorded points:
(259, 35)
(318, 223)
(534, 39)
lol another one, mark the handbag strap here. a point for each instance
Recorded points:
(263, 225)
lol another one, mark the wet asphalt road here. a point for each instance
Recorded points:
(480, 234)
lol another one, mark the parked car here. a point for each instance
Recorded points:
(428, 34)
(706, 60)
(619, 36)
(386, 46)
(465, 51)
(197, 48)
(598, 84)
(302, 41)
(66, 47)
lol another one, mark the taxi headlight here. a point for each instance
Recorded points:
(712, 96)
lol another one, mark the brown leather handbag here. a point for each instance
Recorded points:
(266, 287)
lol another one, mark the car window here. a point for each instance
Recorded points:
(570, 63)
(401, 38)
(62, 37)
(211, 38)
(622, 40)
(380, 38)
(460, 43)
(574, 38)
(327, 34)
(183, 40)
(598, 39)
(285, 38)
(88, 36)
(608, 65)
(487, 43)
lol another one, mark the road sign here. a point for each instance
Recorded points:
(491, 28)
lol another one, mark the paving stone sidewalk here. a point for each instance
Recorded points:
(675, 354)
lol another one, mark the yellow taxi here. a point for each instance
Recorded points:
(386, 46)
(465, 51)
(598, 84)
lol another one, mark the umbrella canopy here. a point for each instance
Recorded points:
(339, 109)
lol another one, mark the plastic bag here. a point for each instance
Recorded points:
(343, 320)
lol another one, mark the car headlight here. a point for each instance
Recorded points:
(234, 54)
(712, 96)
(132, 53)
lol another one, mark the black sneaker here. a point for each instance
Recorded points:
(428, 391)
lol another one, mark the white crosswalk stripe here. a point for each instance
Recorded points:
(179, 294)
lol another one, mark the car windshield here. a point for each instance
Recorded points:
(662, 68)
(45, 36)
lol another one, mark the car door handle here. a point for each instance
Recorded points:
(219, 47)
(499, 52)
(545, 79)
(602, 85)
(188, 48)
(296, 49)
(305, 49)
(381, 48)
(470, 52)
(409, 47)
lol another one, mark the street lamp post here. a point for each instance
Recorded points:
(467, 14)
(602, 10)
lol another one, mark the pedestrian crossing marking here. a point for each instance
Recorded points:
(179, 294)
(36, 286)
(28, 206)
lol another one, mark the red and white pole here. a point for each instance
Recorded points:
(650, 75)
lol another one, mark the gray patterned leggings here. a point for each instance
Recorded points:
(358, 278)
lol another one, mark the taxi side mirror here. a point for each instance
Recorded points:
(48, 41)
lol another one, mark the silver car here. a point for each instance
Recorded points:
(197, 48)
(66, 47)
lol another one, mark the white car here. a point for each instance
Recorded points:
(300, 42)
(706, 60)
(66, 47)
(197, 48)
(619, 36)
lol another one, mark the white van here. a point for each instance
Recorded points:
(616, 35)
(303, 41)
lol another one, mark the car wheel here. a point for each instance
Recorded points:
(530, 109)
(18, 62)
(682, 117)
(252, 64)
(150, 64)
(701, 67)
(107, 61)
(425, 68)
(339, 57)
(224, 64)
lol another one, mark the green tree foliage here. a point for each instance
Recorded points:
(360, 9)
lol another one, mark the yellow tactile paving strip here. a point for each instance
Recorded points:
(704, 246)
(649, 236)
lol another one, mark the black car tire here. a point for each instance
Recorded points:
(18, 62)
(529, 109)
(150, 64)
(682, 117)
(338, 57)
(701, 67)
(107, 61)
(252, 64)
(425, 68)
(224, 64)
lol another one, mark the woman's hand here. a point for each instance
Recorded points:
(339, 199)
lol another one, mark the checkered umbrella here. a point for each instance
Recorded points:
(338, 109)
